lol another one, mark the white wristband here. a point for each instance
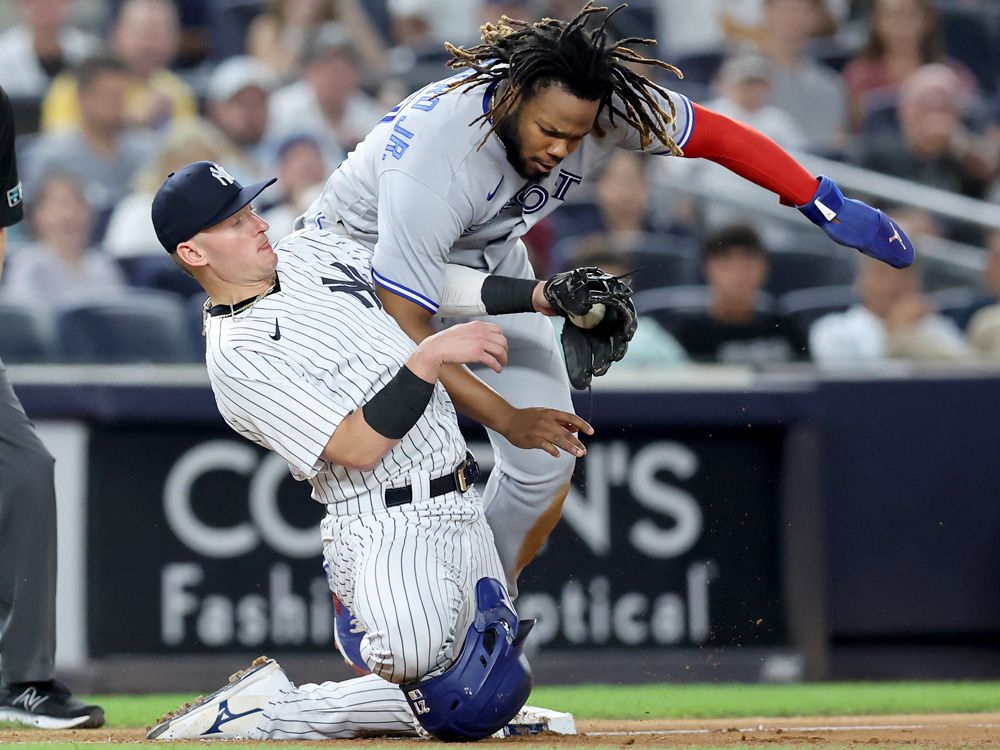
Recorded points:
(463, 292)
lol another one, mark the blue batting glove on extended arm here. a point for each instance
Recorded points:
(855, 224)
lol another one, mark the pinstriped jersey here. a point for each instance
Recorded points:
(286, 370)
(420, 193)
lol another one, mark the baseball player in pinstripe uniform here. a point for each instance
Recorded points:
(304, 360)
(28, 692)
(461, 169)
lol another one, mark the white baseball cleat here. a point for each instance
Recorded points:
(534, 720)
(231, 712)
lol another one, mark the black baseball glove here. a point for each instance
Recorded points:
(592, 342)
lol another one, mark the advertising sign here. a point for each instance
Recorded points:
(666, 540)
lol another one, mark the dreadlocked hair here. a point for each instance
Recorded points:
(577, 58)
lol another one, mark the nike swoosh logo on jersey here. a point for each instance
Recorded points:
(489, 196)
(277, 331)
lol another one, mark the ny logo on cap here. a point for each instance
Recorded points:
(221, 175)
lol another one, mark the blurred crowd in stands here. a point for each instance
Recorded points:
(111, 95)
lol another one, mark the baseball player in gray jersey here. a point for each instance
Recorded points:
(461, 169)
(304, 360)
(28, 692)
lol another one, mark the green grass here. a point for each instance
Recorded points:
(138, 710)
(396, 746)
(823, 699)
(422, 746)
(651, 702)
(685, 701)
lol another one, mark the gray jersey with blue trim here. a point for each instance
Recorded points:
(419, 192)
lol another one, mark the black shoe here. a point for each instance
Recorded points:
(48, 705)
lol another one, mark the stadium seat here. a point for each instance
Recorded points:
(803, 269)
(573, 220)
(693, 90)
(689, 298)
(971, 36)
(657, 260)
(879, 114)
(140, 325)
(805, 306)
(699, 67)
(133, 267)
(668, 306)
(939, 274)
(159, 272)
(654, 270)
(22, 336)
(833, 56)
(642, 17)
(663, 261)
(428, 66)
(27, 117)
(229, 22)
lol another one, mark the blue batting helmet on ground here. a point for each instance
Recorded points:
(489, 682)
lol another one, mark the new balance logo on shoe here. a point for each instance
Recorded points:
(48, 705)
(225, 716)
(31, 699)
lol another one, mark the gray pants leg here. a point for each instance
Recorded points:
(27, 546)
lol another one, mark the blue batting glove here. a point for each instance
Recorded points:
(850, 222)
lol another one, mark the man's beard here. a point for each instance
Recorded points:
(506, 131)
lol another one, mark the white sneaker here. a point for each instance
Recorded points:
(231, 712)
(534, 720)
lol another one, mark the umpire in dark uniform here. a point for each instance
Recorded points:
(28, 692)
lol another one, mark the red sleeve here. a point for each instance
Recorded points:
(750, 154)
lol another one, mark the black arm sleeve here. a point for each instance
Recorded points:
(505, 294)
(396, 408)
(11, 207)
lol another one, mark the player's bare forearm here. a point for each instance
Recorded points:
(476, 400)
(550, 430)
(413, 319)
(355, 445)
(471, 396)
(366, 435)
(539, 302)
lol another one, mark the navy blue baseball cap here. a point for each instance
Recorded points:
(198, 197)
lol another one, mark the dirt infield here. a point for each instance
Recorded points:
(919, 731)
